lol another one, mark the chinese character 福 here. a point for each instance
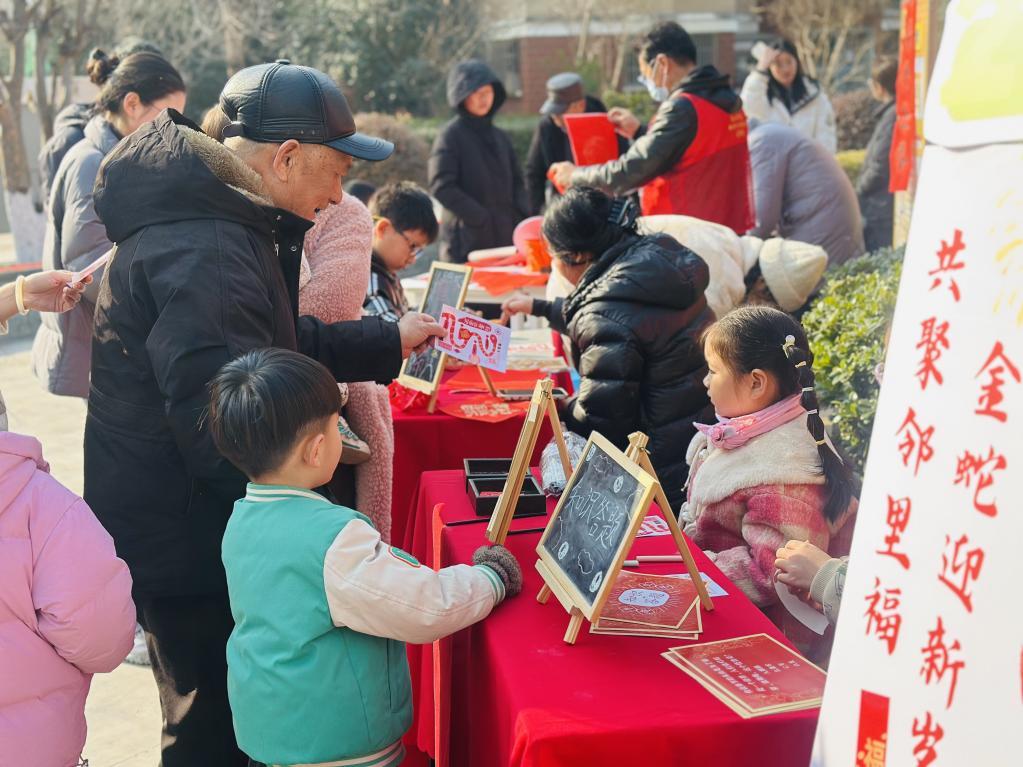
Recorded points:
(883, 618)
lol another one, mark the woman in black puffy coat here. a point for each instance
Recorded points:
(635, 319)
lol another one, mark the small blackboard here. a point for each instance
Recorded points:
(448, 284)
(599, 513)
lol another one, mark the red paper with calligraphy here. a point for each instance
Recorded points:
(473, 339)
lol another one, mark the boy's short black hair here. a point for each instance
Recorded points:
(407, 206)
(672, 40)
(262, 403)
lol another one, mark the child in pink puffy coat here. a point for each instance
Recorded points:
(65, 610)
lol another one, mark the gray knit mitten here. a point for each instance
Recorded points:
(502, 562)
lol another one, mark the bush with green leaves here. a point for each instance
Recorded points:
(851, 161)
(847, 327)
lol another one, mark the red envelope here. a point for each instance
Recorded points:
(592, 137)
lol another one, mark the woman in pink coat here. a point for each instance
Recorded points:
(65, 598)
(338, 252)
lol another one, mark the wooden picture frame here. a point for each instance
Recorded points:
(541, 405)
(448, 284)
(551, 564)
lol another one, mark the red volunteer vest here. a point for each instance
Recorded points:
(712, 181)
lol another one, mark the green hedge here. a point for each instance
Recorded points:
(851, 161)
(847, 327)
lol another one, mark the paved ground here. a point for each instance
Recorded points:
(123, 708)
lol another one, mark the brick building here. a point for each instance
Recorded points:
(530, 40)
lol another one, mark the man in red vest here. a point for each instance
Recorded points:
(692, 159)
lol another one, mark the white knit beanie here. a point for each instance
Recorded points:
(791, 270)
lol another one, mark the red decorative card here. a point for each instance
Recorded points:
(649, 600)
(755, 674)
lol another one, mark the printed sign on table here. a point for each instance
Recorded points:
(752, 675)
(928, 657)
(473, 339)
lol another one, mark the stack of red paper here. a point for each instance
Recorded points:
(752, 675)
(651, 605)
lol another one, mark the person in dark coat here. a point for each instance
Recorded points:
(634, 319)
(474, 172)
(877, 204)
(208, 245)
(550, 143)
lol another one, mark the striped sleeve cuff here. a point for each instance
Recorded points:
(495, 581)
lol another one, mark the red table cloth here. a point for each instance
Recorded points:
(513, 693)
(427, 442)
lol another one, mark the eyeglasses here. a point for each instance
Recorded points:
(414, 249)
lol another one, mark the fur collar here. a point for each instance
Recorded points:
(227, 166)
(783, 456)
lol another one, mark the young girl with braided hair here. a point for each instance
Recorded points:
(766, 473)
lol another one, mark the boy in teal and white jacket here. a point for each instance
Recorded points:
(317, 672)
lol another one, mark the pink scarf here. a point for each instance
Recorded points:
(730, 433)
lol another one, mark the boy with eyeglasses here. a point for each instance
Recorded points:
(404, 223)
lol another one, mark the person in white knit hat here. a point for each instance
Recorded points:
(791, 271)
(746, 269)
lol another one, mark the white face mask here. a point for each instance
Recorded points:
(658, 93)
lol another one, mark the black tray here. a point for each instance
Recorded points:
(532, 501)
(485, 467)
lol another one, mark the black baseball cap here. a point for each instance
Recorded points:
(281, 101)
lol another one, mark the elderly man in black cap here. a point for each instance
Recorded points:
(565, 95)
(206, 265)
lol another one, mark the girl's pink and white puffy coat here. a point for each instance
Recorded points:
(65, 610)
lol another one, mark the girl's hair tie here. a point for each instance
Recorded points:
(812, 412)
(801, 364)
(821, 442)
(790, 342)
(807, 388)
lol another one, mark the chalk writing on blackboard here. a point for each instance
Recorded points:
(595, 515)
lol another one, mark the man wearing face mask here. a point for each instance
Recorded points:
(692, 159)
